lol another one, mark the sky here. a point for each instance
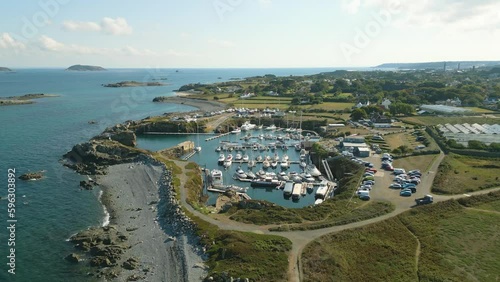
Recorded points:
(246, 33)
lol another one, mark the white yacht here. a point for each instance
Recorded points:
(274, 164)
(284, 164)
(245, 158)
(248, 126)
(216, 176)
(271, 127)
(312, 170)
(238, 157)
(221, 159)
(236, 131)
(251, 163)
(266, 164)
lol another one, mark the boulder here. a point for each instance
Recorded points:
(73, 258)
(131, 264)
(31, 176)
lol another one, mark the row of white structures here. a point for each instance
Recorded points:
(463, 133)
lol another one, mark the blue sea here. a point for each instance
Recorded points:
(34, 137)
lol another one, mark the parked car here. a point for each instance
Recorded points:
(413, 189)
(398, 171)
(369, 182)
(368, 178)
(405, 193)
(396, 186)
(372, 170)
(414, 171)
(368, 174)
(364, 195)
(368, 164)
(408, 185)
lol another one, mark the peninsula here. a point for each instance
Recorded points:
(133, 84)
(5, 69)
(85, 68)
(23, 99)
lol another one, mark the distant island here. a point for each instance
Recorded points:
(133, 84)
(85, 68)
(5, 69)
(440, 65)
(23, 99)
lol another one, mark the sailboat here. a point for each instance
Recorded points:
(198, 147)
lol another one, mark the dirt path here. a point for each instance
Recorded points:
(486, 211)
(301, 238)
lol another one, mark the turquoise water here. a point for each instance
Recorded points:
(34, 137)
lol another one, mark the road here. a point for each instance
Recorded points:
(301, 238)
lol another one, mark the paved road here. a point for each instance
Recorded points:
(301, 238)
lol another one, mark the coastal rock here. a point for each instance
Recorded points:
(101, 262)
(127, 138)
(5, 69)
(73, 258)
(31, 176)
(92, 157)
(87, 184)
(131, 264)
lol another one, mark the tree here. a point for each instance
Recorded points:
(476, 145)
(358, 114)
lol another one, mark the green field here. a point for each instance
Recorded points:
(461, 174)
(328, 106)
(440, 242)
(422, 162)
(479, 110)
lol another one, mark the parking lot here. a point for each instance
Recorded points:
(382, 192)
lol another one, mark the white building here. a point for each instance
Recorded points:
(386, 103)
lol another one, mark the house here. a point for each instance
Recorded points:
(362, 152)
(247, 95)
(386, 103)
(272, 93)
(360, 105)
(490, 101)
(450, 102)
(380, 121)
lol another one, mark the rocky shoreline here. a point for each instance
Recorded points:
(149, 237)
(203, 105)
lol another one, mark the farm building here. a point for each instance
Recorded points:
(362, 152)
(442, 109)
(463, 133)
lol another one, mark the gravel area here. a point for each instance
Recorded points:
(139, 198)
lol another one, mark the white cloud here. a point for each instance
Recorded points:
(117, 26)
(81, 26)
(351, 6)
(7, 42)
(49, 44)
(448, 15)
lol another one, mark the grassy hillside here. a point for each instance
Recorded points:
(442, 242)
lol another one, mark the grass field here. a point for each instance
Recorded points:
(434, 120)
(422, 162)
(328, 106)
(381, 252)
(461, 174)
(479, 110)
(456, 244)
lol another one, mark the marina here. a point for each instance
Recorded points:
(261, 164)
